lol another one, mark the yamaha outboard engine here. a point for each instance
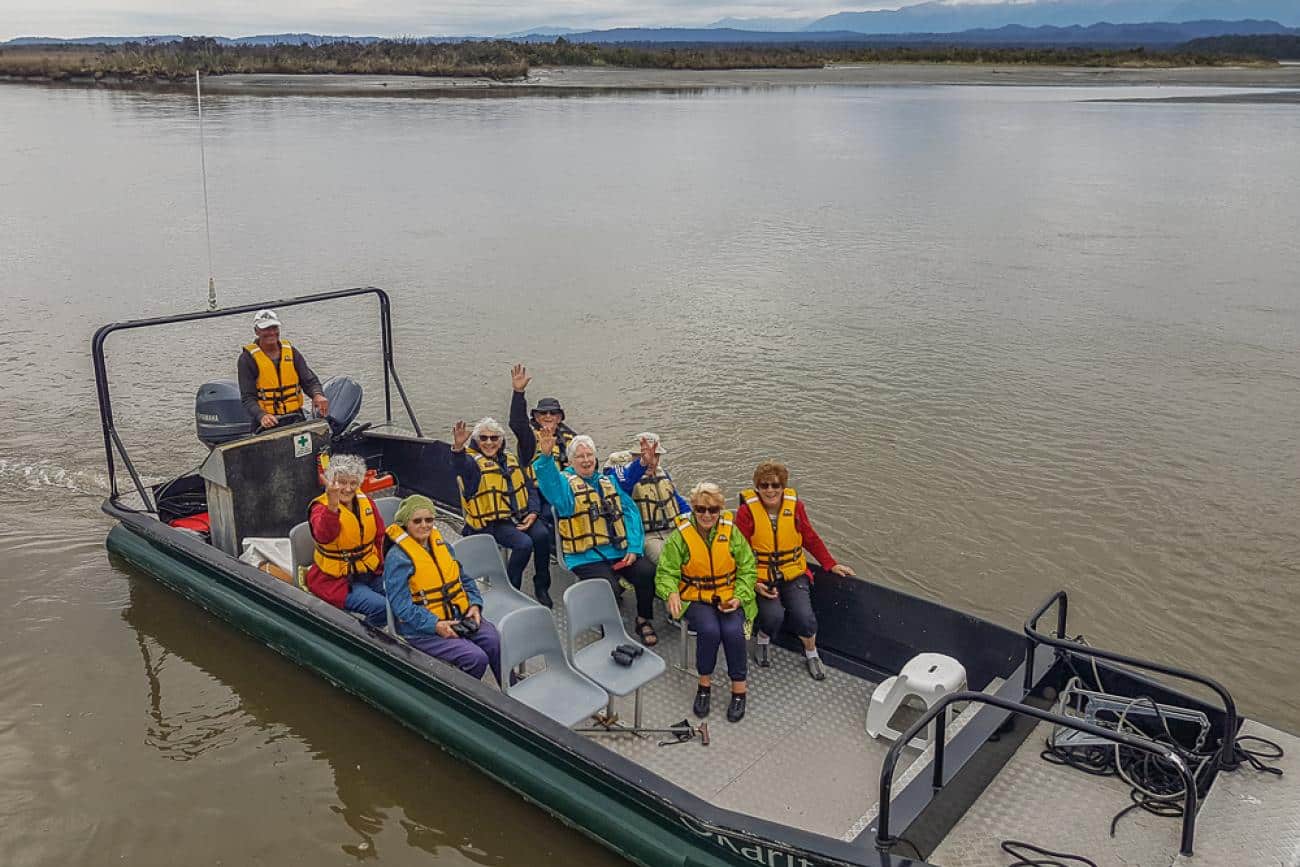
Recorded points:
(344, 395)
(219, 415)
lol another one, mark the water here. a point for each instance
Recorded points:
(1008, 340)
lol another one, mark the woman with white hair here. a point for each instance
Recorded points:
(598, 524)
(497, 498)
(707, 574)
(347, 565)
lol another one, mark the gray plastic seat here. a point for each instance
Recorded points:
(387, 507)
(591, 605)
(559, 691)
(480, 560)
(301, 548)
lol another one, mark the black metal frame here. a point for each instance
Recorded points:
(939, 712)
(1226, 761)
(113, 440)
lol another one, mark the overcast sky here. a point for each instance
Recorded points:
(68, 18)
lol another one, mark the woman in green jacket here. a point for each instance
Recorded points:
(706, 573)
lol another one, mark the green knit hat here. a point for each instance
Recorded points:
(410, 506)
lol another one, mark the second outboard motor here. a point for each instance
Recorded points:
(219, 415)
(344, 394)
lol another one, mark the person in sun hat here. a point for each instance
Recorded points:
(273, 376)
(650, 485)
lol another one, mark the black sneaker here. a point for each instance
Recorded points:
(736, 710)
(762, 655)
(815, 668)
(543, 598)
(701, 706)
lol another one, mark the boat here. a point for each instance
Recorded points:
(799, 782)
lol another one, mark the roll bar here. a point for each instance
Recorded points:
(113, 441)
(939, 711)
(1226, 761)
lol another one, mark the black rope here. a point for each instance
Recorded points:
(1048, 859)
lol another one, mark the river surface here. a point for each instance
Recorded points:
(1008, 339)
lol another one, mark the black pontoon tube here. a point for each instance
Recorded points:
(1227, 759)
(940, 712)
(111, 437)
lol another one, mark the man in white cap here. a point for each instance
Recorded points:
(273, 376)
(651, 487)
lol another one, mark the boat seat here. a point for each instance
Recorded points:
(927, 677)
(480, 559)
(591, 605)
(387, 507)
(301, 547)
(558, 691)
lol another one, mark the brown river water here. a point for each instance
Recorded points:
(1009, 340)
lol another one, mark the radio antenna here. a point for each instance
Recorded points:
(207, 221)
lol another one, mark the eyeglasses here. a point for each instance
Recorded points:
(706, 510)
(770, 486)
(420, 521)
(546, 412)
(489, 438)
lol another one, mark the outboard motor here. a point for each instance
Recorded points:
(344, 394)
(219, 415)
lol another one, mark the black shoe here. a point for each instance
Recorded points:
(543, 598)
(762, 655)
(736, 710)
(815, 668)
(701, 706)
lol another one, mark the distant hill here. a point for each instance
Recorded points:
(763, 25)
(1276, 47)
(942, 17)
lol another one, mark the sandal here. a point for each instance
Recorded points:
(645, 630)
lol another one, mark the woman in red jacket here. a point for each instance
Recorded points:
(772, 517)
(348, 564)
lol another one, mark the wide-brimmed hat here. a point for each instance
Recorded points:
(653, 439)
(549, 404)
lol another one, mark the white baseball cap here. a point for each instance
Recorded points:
(654, 439)
(265, 319)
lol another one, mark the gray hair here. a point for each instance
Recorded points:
(576, 442)
(353, 466)
(487, 424)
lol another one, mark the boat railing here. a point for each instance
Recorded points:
(1064, 646)
(113, 441)
(939, 712)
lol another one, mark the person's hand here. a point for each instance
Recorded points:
(767, 591)
(649, 457)
(459, 436)
(628, 560)
(528, 521)
(545, 441)
(333, 495)
(268, 420)
(322, 404)
(519, 377)
(842, 570)
(675, 605)
(475, 614)
(729, 606)
(444, 630)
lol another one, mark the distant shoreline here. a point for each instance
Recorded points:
(575, 80)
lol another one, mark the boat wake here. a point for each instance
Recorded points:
(43, 475)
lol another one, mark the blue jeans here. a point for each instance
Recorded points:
(712, 628)
(535, 543)
(366, 596)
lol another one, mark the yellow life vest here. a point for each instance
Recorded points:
(709, 571)
(597, 518)
(656, 497)
(500, 495)
(277, 389)
(354, 550)
(779, 549)
(435, 584)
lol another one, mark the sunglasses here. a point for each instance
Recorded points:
(420, 521)
(489, 438)
(770, 486)
(706, 510)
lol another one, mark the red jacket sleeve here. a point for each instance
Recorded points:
(812, 543)
(745, 522)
